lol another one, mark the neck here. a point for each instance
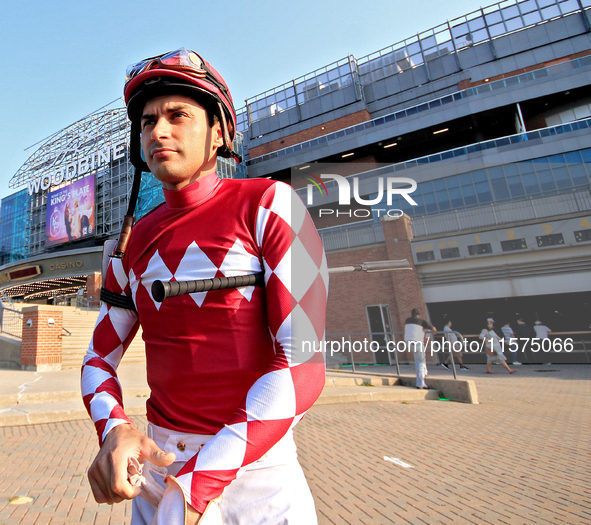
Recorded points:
(192, 194)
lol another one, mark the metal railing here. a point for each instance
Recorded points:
(537, 206)
(383, 346)
(476, 28)
(350, 235)
(88, 303)
(11, 321)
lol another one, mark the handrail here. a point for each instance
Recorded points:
(87, 303)
(389, 337)
(450, 38)
(351, 338)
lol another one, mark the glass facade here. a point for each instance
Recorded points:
(13, 221)
(510, 182)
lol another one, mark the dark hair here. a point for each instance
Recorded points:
(415, 312)
(209, 105)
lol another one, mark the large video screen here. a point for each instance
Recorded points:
(70, 213)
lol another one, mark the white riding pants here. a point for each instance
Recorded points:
(420, 365)
(270, 491)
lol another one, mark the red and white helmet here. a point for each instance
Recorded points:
(177, 72)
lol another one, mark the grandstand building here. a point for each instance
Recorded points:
(490, 115)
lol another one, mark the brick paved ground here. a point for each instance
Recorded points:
(521, 456)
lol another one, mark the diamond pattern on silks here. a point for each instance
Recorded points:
(241, 364)
(101, 391)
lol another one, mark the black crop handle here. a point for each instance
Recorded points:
(162, 290)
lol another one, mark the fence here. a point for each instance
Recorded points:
(389, 348)
(382, 348)
(11, 321)
(533, 207)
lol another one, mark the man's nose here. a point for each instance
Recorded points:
(161, 129)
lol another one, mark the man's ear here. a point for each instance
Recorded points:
(217, 136)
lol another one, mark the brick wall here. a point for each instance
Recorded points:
(310, 133)
(350, 293)
(94, 281)
(41, 348)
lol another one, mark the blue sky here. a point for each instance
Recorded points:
(62, 60)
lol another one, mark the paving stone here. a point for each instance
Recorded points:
(519, 457)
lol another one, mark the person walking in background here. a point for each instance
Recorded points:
(509, 334)
(541, 330)
(414, 335)
(452, 338)
(494, 350)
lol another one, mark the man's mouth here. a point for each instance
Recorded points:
(161, 152)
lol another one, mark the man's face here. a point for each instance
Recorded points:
(179, 146)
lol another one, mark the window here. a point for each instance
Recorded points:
(480, 249)
(380, 327)
(426, 256)
(450, 253)
(550, 240)
(515, 244)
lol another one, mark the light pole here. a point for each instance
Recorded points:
(374, 266)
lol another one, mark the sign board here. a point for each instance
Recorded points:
(70, 213)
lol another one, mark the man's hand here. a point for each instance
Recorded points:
(108, 472)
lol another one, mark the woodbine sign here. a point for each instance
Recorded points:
(80, 166)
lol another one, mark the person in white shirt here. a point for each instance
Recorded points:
(494, 351)
(541, 330)
(510, 334)
(414, 334)
(452, 338)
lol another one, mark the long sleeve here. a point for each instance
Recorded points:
(296, 280)
(113, 333)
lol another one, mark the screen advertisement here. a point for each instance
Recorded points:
(70, 213)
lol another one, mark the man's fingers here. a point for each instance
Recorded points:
(98, 490)
(156, 455)
(120, 485)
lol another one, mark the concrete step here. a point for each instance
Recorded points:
(54, 411)
(68, 406)
(44, 407)
(81, 324)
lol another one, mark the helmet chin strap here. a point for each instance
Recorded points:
(227, 151)
(129, 217)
